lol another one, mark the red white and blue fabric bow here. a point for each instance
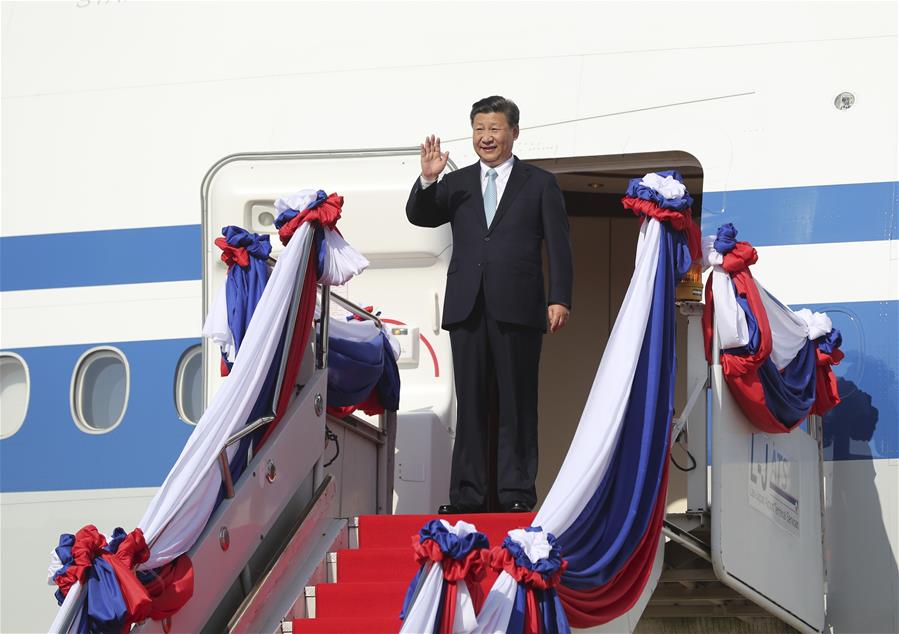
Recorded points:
(445, 594)
(776, 362)
(117, 597)
(245, 254)
(532, 558)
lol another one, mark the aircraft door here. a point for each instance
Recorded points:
(404, 282)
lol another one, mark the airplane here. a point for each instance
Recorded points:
(781, 117)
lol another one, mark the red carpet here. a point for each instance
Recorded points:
(372, 581)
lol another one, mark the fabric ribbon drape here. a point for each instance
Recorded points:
(445, 594)
(777, 362)
(362, 369)
(183, 504)
(115, 597)
(532, 558)
(607, 503)
(245, 254)
(337, 262)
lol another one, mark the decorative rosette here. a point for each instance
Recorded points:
(776, 362)
(664, 196)
(238, 245)
(298, 208)
(336, 261)
(445, 594)
(116, 596)
(532, 557)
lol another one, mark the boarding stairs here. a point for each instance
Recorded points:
(286, 552)
(366, 584)
(327, 569)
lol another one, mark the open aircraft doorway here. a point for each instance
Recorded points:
(604, 242)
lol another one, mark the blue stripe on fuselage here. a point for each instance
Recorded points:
(865, 424)
(99, 258)
(805, 215)
(50, 453)
(765, 217)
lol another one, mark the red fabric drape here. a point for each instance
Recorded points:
(741, 372)
(233, 255)
(326, 214)
(471, 569)
(161, 597)
(826, 394)
(679, 220)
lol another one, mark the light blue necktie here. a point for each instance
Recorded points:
(490, 196)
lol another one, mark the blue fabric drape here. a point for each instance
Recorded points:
(516, 620)
(244, 286)
(789, 393)
(389, 384)
(355, 368)
(64, 552)
(726, 239)
(617, 516)
(104, 610)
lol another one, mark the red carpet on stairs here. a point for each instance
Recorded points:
(372, 580)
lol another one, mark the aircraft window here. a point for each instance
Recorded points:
(100, 386)
(189, 385)
(15, 385)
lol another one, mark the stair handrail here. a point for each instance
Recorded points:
(74, 599)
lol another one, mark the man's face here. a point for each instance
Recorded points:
(492, 137)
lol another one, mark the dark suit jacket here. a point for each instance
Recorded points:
(505, 257)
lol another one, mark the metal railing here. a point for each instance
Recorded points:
(72, 604)
(321, 362)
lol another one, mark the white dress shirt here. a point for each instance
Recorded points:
(502, 177)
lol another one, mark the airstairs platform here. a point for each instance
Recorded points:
(368, 583)
(287, 552)
(329, 575)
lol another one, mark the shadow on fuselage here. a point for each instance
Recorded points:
(863, 580)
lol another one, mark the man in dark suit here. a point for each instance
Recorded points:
(501, 210)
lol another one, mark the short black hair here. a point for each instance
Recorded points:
(496, 104)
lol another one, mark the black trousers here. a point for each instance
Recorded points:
(484, 351)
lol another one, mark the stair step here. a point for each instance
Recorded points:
(396, 531)
(376, 564)
(377, 600)
(347, 625)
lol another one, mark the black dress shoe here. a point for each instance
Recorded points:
(457, 509)
(518, 507)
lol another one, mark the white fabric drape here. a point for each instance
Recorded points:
(425, 602)
(790, 330)
(298, 201)
(216, 327)
(534, 543)
(342, 262)
(733, 331)
(668, 186)
(182, 505)
(597, 433)
(497, 609)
